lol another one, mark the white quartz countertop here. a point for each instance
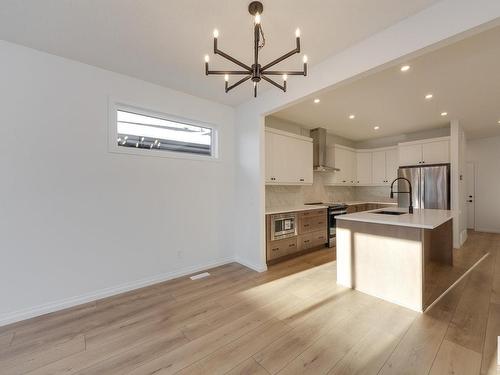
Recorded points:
(304, 207)
(421, 218)
(354, 203)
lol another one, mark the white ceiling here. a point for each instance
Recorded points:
(164, 41)
(464, 78)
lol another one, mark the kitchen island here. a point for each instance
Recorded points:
(394, 255)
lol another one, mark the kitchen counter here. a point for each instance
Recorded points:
(283, 210)
(355, 203)
(421, 218)
(394, 257)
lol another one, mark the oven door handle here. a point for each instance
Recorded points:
(341, 212)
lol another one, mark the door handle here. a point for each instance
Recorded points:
(470, 201)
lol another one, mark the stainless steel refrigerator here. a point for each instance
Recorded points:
(431, 186)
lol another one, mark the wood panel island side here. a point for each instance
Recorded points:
(398, 258)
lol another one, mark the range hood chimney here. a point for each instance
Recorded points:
(319, 151)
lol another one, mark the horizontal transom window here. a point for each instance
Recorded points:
(140, 131)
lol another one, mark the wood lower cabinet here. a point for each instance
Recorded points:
(312, 240)
(312, 226)
(280, 248)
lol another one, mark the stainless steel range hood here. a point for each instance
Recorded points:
(319, 151)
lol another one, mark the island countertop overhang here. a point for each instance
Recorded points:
(421, 218)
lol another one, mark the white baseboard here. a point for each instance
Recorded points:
(255, 267)
(488, 230)
(65, 303)
(463, 237)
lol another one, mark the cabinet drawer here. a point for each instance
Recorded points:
(314, 239)
(277, 249)
(312, 224)
(320, 212)
(319, 238)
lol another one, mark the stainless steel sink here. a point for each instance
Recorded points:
(395, 213)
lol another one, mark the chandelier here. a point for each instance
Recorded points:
(256, 72)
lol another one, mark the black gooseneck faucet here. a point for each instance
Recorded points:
(410, 209)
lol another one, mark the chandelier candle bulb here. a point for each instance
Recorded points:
(207, 59)
(257, 19)
(216, 33)
(297, 33)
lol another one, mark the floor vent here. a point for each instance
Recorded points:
(200, 276)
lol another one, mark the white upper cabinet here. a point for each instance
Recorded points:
(289, 158)
(363, 168)
(391, 165)
(429, 151)
(410, 154)
(384, 166)
(302, 160)
(379, 167)
(436, 152)
(352, 167)
(344, 159)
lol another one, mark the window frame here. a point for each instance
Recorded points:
(115, 106)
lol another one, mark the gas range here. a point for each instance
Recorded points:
(334, 206)
(334, 210)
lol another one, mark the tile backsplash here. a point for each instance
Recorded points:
(287, 196)
(283, 196)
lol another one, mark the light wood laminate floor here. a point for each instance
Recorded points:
(292, 319)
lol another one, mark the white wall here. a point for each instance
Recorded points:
(485, 153)
(79, 222)
(392, 45)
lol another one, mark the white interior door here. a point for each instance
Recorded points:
(471, 195)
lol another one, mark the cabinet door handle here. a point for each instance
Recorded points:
(301, 179)
(306, 241)
(291, 245)
(306, 225)
(275, 249)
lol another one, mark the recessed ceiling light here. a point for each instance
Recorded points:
(444, 113)
(499, 121)
(376, 127)
(405, 68)
(316, 100)
(352, 116)
(429, 96)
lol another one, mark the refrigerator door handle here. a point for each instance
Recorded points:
(421, 193)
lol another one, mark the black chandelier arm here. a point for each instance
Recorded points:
(217, 51)
(244, 79)
(275, 83)
(228, 72)
(285, 56)
(287, 72)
